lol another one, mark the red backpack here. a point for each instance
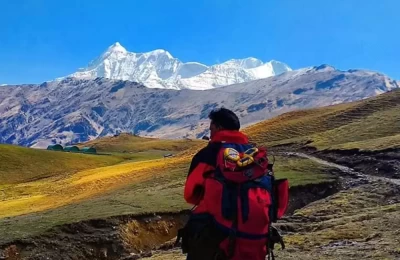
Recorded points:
(242, 198)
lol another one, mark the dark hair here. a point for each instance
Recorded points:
(225, 119)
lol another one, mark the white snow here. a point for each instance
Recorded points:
(159, 69)
(42, 144)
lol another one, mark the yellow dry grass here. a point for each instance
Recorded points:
(19, 164)
(158, 187)
(35, 180)
(55, 192)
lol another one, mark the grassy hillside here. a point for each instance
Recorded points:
(42, 189)
(110, 188)
(19, 164)
(131, 188)
(131, 143)
(370, 124)
(88, 190)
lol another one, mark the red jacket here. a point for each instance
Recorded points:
(205, 162)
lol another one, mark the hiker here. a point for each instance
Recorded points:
(231, 185)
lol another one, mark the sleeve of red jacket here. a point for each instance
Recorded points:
(195, 181)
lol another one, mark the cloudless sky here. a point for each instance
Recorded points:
(44, 39)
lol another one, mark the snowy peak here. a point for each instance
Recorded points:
(272, 68)
(191, 69)
(159, 69)
(116, 50)
(116, 47)
(160, 53)
(247, 63)
(279, 67)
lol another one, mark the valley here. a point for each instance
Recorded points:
(119, 208)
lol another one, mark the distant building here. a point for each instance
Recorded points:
(73, 149)
(88, 150)
(55, 147)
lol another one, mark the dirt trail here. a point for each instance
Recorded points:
(345, 169)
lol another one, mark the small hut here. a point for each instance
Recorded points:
(88, 150)
(55, 147)
(72, 149)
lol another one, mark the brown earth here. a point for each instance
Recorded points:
(385, 163)
(127, 236)
(358, 223)
(98, 239)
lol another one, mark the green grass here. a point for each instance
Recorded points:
(368, 124)
(375, 144)
(18, 164)
(301, 171)
(161, 193)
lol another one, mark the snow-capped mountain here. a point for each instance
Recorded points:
(159, 69)
(75, 110)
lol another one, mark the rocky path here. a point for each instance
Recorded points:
(345, 169)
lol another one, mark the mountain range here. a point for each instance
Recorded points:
(72, 109)
(159, 69)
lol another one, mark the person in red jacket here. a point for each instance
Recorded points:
(235, 196)
(224, 127)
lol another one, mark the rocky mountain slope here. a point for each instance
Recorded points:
(77, 110)
(158, 69)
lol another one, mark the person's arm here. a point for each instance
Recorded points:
(194, 186)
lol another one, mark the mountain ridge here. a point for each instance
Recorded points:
(77, 110)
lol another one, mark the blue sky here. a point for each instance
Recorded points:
(44, 39)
